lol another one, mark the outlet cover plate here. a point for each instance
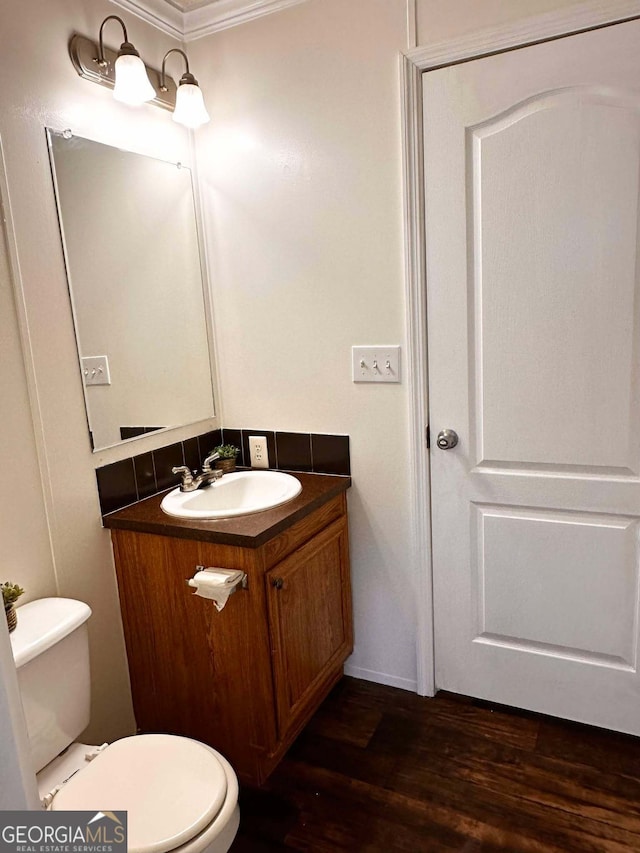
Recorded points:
(258, 451)
(375, 364)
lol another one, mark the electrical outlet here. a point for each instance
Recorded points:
(258, 451)
(375, 364)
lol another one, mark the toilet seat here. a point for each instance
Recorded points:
(172, 788)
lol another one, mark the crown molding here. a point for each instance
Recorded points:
(158, 13)
(223, 14)
(197, 23)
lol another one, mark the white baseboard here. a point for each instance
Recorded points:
(381, 678)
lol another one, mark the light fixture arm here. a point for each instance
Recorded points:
(187, 77)
(126, 48)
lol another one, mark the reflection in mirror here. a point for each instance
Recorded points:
(131, 250)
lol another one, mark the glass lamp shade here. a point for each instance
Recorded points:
(190, 109)
(132, 83)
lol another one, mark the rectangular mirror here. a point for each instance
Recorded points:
(130, 242)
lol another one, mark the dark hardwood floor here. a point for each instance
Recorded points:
(380, 769)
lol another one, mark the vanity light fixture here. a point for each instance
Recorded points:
(190, 109)
(123, 71)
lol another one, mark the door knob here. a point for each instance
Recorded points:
(447, 439)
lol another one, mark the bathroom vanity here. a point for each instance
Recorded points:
(246, 679)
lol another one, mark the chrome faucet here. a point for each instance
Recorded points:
(191, 481)
(206, 465)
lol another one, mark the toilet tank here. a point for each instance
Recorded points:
(51, 652)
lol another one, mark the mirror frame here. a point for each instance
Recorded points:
(50, 132)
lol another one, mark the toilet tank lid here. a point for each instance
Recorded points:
(44, 622)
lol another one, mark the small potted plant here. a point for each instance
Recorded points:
(227, 460)
(11, 592)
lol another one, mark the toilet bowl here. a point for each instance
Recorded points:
(180, 795)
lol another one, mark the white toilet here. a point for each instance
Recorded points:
(180, 795)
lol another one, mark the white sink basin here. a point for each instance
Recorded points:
(240, 493)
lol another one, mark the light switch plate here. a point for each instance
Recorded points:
(95, 370)
(376, 364)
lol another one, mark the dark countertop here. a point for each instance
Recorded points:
(246, 531)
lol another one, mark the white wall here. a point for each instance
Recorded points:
(25, 552)
(301, 170)
(40, 87)
(25, 549)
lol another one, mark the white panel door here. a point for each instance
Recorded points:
(532, 167)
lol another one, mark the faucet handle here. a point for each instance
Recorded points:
(206, 465)
(187, 475)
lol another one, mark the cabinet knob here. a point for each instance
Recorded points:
(278, 583)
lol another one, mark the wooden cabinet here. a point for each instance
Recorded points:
(308, 621)
(245, 679)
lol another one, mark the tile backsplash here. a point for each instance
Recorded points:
(135, 431)
(130, 480)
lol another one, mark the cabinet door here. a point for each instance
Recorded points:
(195, 671)
(309, 598)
